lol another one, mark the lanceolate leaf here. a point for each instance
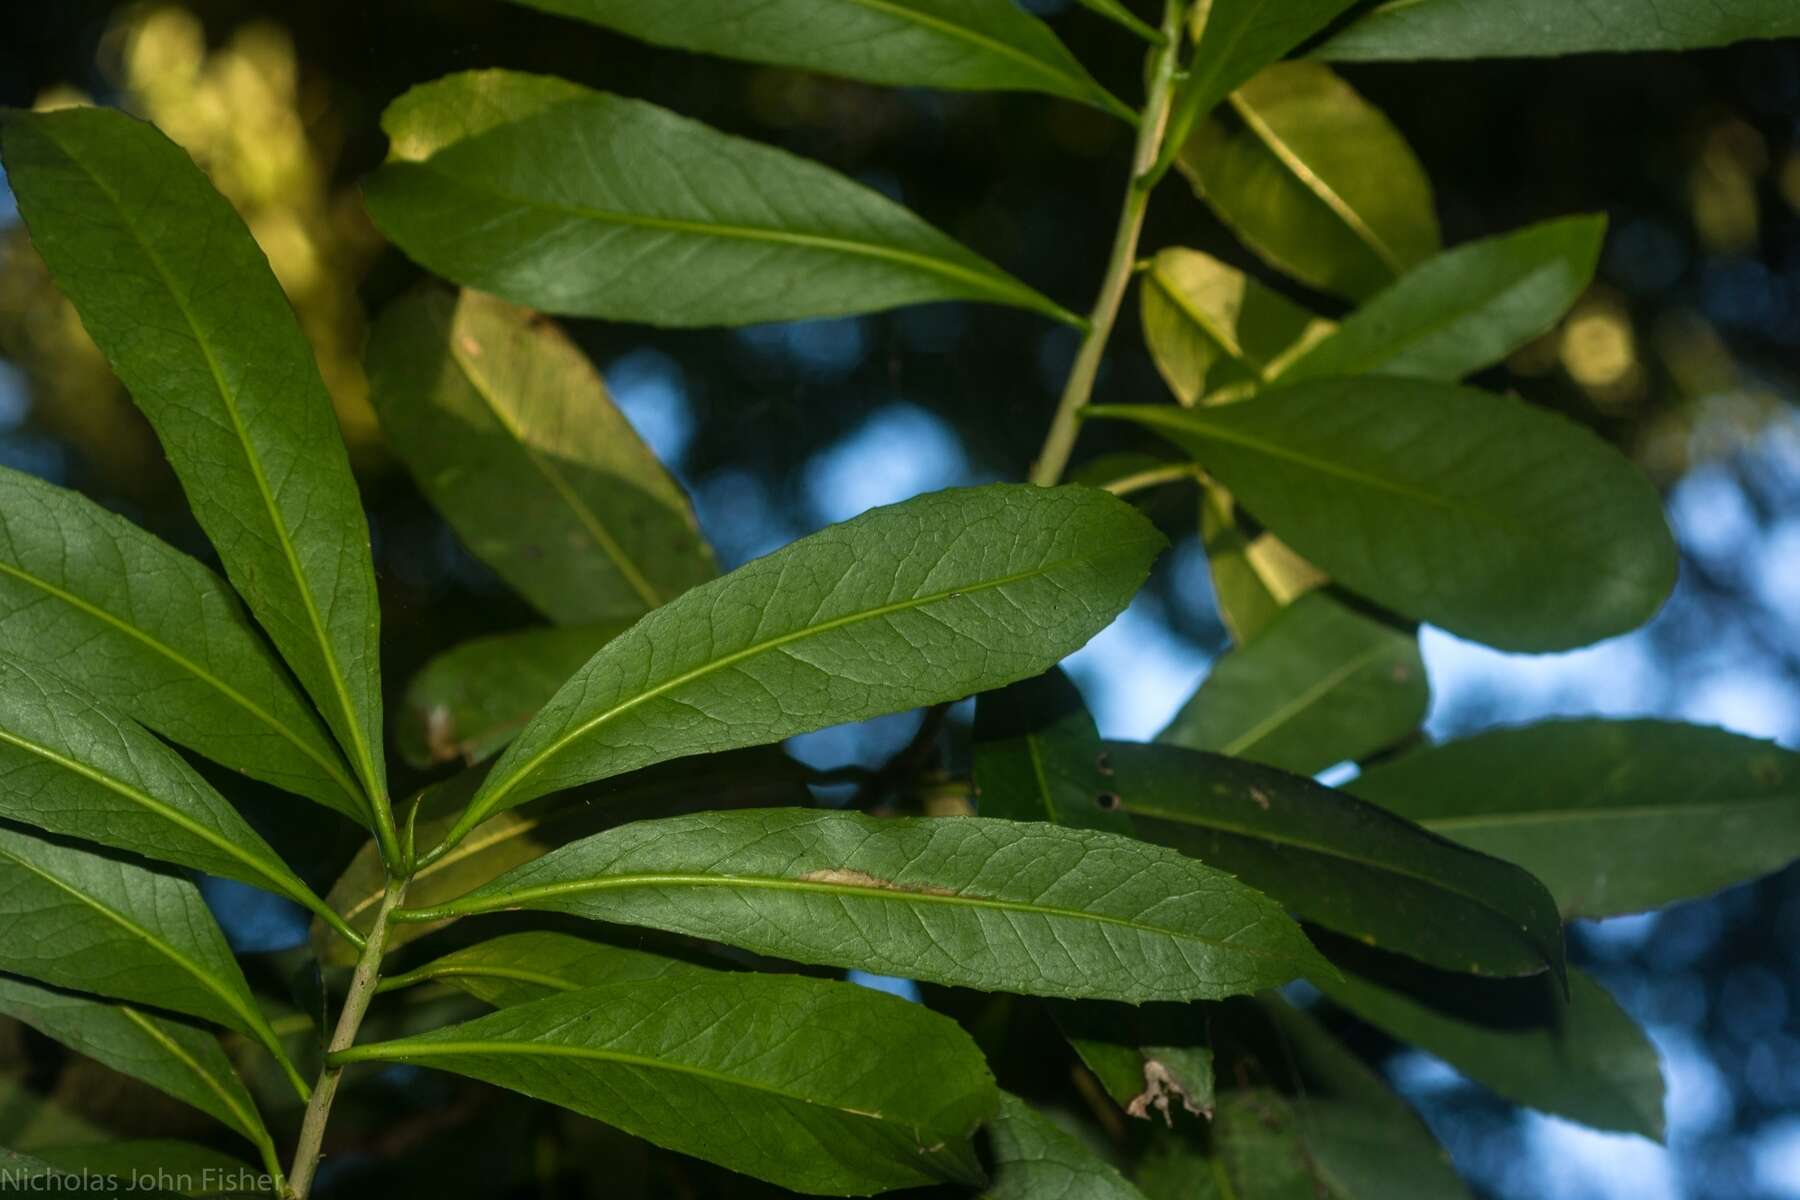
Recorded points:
(920, 602)
(1038, 757)
(70, 766)
(511, 434)
(1466, 309)
(1582, 1058)
(103, 924)
(1316, 181)
(816, 1086)
(1211, 328)
(1341, 863)
(1413, 29)
(152, 632)
(1497, 521)
(995, 905)
(1321, 684)
(579, 202)
(472, 699)
(171, 1056)
(517, 968)
(173, 290)
(1615, 816)
(1035, 1160)
(1253, 577)
(968, 44)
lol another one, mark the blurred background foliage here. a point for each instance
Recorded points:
(1686, 352)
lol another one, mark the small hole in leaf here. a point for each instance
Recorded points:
(1103, 763)
(1108, 800)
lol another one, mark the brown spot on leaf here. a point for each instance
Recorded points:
(847, 877)
(440, 735)
(470, 346)
(1109, 801)
(1261, 797)
(1161, 1088)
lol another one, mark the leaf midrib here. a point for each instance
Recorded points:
(250, 1125)
(1312, 694)
(1086, 87)
(1522, 817)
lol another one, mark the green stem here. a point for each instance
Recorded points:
(1060, 440)
(363, 985)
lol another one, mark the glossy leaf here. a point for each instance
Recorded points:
(1582, 1058)
(153, 633)
(470, 701)
(1038, 757)
(1315, 180)
(1498, 521)
(1036, 1160)
(517, 968)
(1615, 816)
(1253, 577)
(1211, 328)
(1339, 862)
(511, 434)
(1466, 309)
(173, 290)
(1414, 29)
(582, 203)
(172, 1056)
(1321, 684)
(996, 905)
(965, 44)
(816, 1086)
(95, 923)
(920, 602)
(71, 766)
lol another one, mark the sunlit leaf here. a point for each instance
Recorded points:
(1414, 29)
(1254, 576)
(578, 202)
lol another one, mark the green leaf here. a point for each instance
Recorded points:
(1259, 1148)
(470, 701)
(1315, 180)
(1116, 12)
(1414, 29)
(158, 1167)
(1582, 1058)
(72, 766)
(975, 45)
(1150, 1057)
(1615, 816)
(1035, 1160)
(173, 290)
(972, 902)
(1253, 578)
(159, 637)
(1340, 862)
(1495, 520)
(1211, 328)
(820, 1087)
(1466, 309)
(1321, 684)
(103, 924)
(1038, 757)
(172, 1056)
(578, 202)
(517, 968)
(920, 602)
(510, 433)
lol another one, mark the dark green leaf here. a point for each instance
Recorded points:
(472, 699)
(155, 634)
(1466, 309)
(821, 1087)
(103, 924)
(1315, 180)
(171, 1056)
(182, 302)
(1615, 816)
(1476, 512)
(1413, 29)
(158, 1167)
(1150, 1058)
(1211, 328)
(578, 202)
(967, 44)
(1038, 757)
(1259, 1148)
(1582, 1058)
(1340, 862)
(72, 766)
(1035, 1160)
(996, 905)
(1321, 684)
(517, 968)
(511, 434)
(920, 602)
